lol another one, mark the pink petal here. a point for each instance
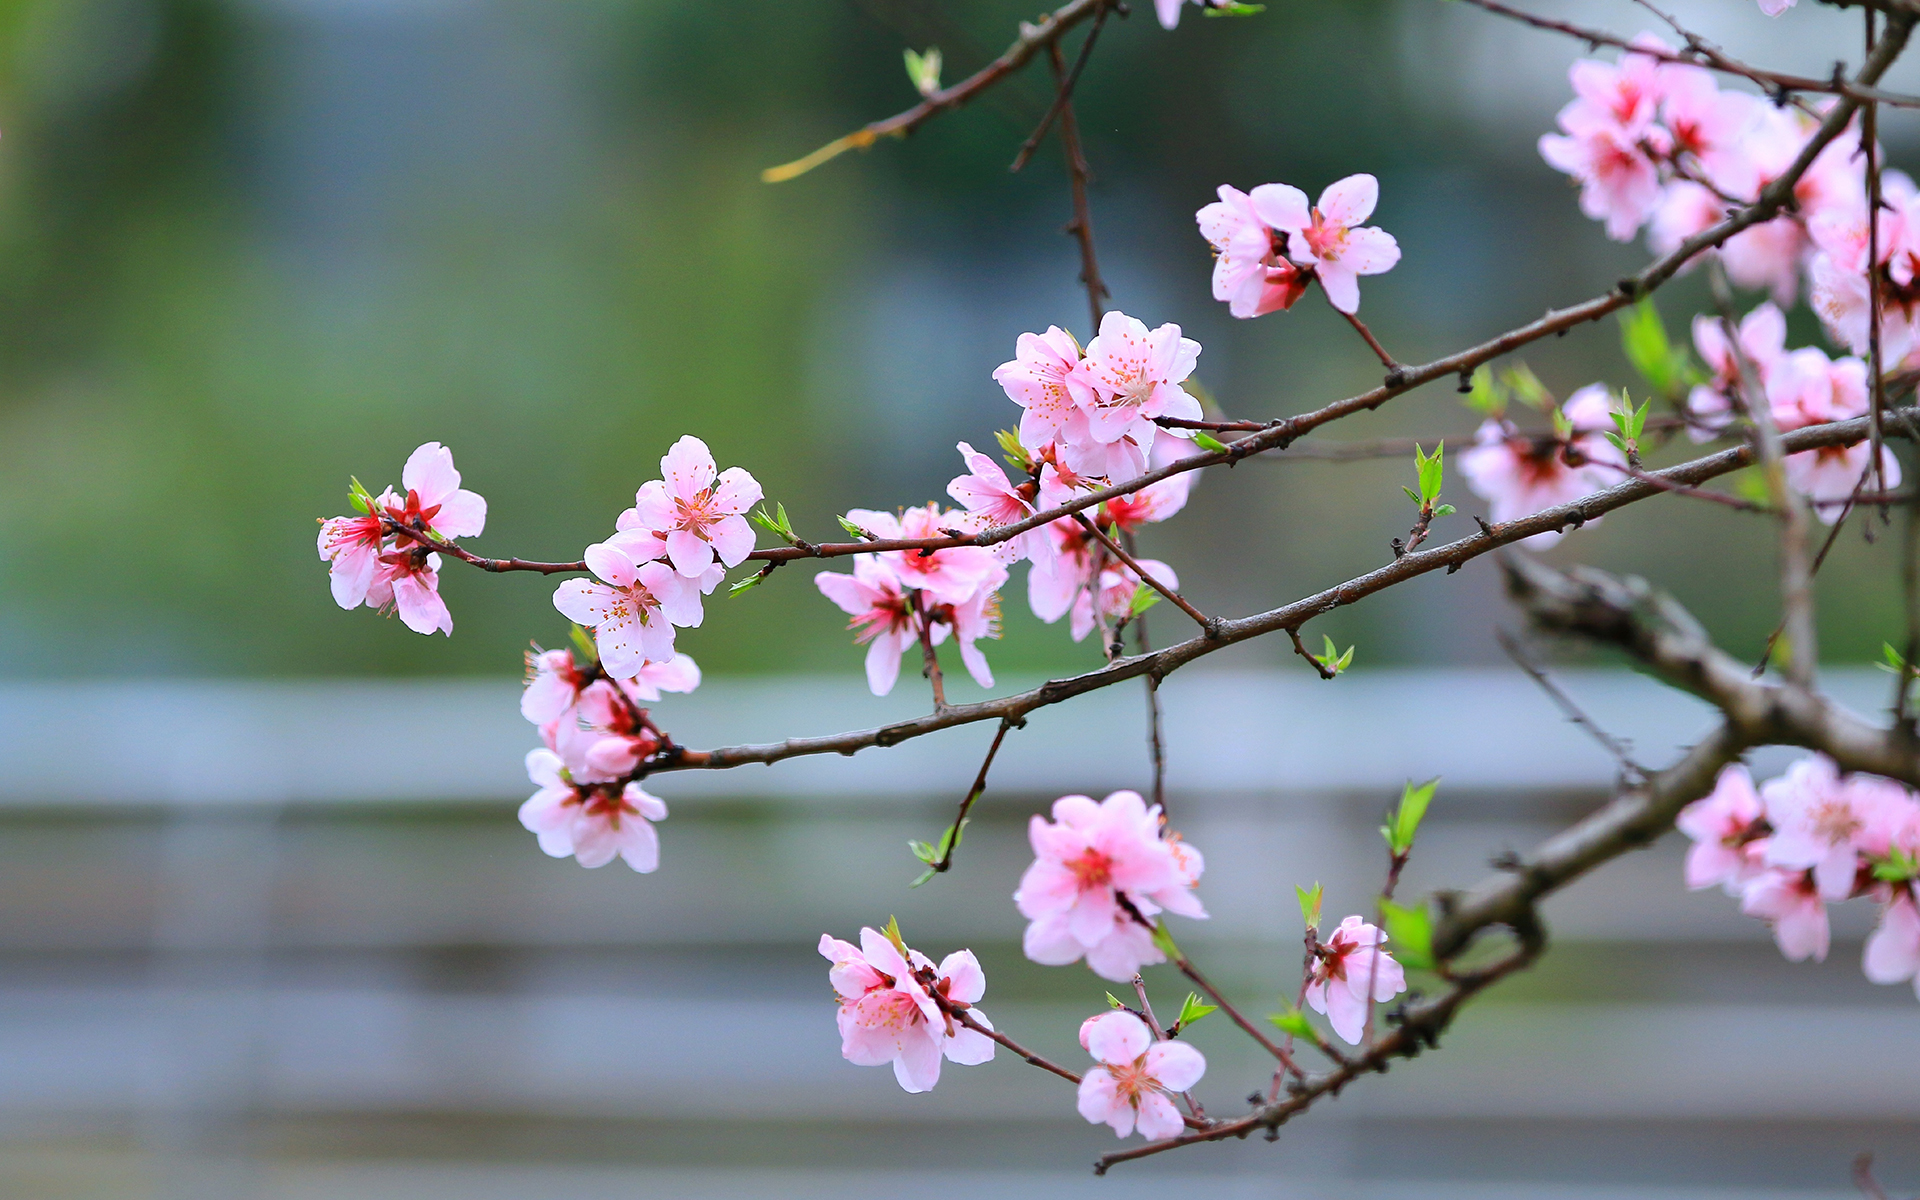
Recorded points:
(462, 514)
(736, 492)
(690, 554)
(1158, 1117)
(1343, 290)
(429, 471)
(1176, 1066)
(1282, 207)
(732, 540)
(610, 563)
(1350, 201)
(688, 467)
(1370, 251)
(1118, 1038)
(1099, 1102)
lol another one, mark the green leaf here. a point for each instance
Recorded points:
(1294, 1022)
(1164, 940)
(922, 851)
(1207, 441)
(1405, 823)
(1643, 339)
(1114, 1000)
(1144, 598)
(1562, 426)
(1411, 494)
(1445, 510)
(743, 585)
(950, 837)
(1895, 663)
(925, 875)
(583, 648)
(1429, 470)
(777, 526)
(892, 933)
(858, 534)
(1234, 8)
(924, 70)
(1015, 453)
(1484, 395)
(1191, 1010)
(1310, 899)
(1410, 932)
(1346, 660)
(1526, 387)
(1899, 866)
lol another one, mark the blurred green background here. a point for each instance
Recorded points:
(248, 248)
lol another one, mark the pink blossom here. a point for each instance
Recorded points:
(1132, 1084)
(1791, 902)
(594, 824)
(1092, 862)
(1842, 300)
(949, 576)
(1063, 571)
(1328, 236)
(1722, 826)
(634, 611)
(1134, 375)
(1169, 11)
(977, 619)
(1893, 952)
(1774, 8)
(888, 1013)
(883, 616)
(1113, 597)
(1521, 474)
(1762, 343)
(1815, 817)
(435, 501)
(1806, 388)
(1710, 126)
(1042, 379)
(1346, 963)
(1249, 271)
(1685, 210)
(1625, 95)
(554, 681)
(677, 674)
(698, 509)
(1156, 501)
(351, 547)
(1767, 257)
(987, 492)
(608, 739)
(409, 581)
(1829, 476)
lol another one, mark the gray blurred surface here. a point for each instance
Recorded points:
(269, 949)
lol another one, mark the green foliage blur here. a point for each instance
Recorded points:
(250, 248)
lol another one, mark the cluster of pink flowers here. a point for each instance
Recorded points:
(1520, 473)
(1657, 144)
(1089, 420)
(1101, 872)
(384, 557)
(1270, 244)
(897, 1006)
(1801, 387)
(1135, 1076)
(1809, 838)
(596, 734)
(670, 549)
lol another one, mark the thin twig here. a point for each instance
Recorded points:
(1574, 713)
(1064, 92)
(1156, 745)
(973, 794)
(1681, 489)
(1300, 648)
(1248, 1027)
(1033, 38)
(1360, 327)
(1081, 227)
(1160, 1035)
(1203, 620)
(931, 669)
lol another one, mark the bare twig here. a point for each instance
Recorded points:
(1373, 343)
(1133, 564)
(1156, 744)
(1063, 94)
(1574, 713)
(1033, 38)
(1081, 227)
(1289, 616)
(945, 861)
(931, 669)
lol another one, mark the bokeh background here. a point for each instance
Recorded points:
(250, 247)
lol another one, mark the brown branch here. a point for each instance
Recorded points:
(931, 668)
(1701, 53)
(1573, 712)
(1203, 620)
(1290, 616)
(945, 862)
(1373, 343)
(1064, 92)
(1081, 227)
(1300, 648)
(1156, 745)
(1226, 1006)
(1033, 38)
(1681, 489)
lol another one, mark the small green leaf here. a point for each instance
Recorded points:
(1164, 941)
(1526, 387)
(1562, 425)
(923, 851)
(1114, 1000)
(1191, 1010)
(1484, 395)
(892, 934)
(1144, 598)
(1405, 823)
(1445, 510)
(1895, 663)
(583, 647)
(1411, 494)
(924, 70)
(360, 502)
(951, 836)
(1899, 866)
(1295, 1023)
(1207, 441)
(1234, 8)
(744, 585)
(1310, 899)
(1346, 660)
(858, 534)
(1429, 470)
(925, 875)
(1643, 339)
(1016, 454)
(1410, 931)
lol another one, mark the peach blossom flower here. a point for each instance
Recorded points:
(1722, 825)
(1328, 236)
(1134, 1079)
(887, 1013)
(697, 509)
(1347, 963)
(1791, 903)
(634, 611)
(593, 824)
